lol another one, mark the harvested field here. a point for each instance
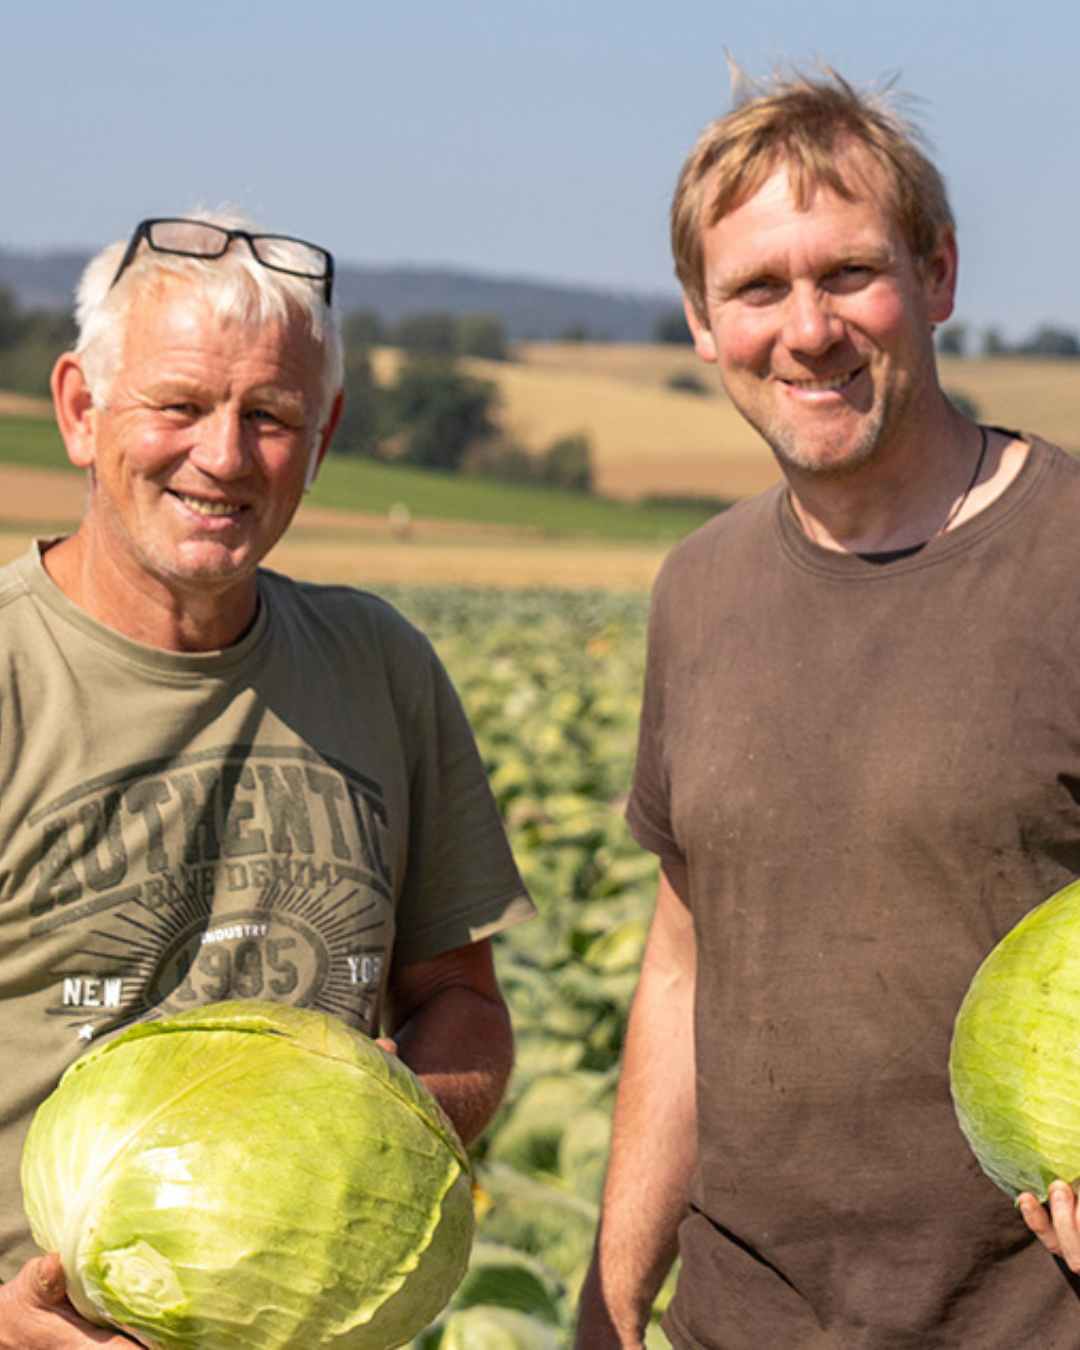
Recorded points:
(373, 562)
(40, 498)
(22, 405)
(646, 440)
(1040, 394)
(640, 363)
(1022, 393)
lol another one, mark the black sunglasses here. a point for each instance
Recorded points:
(201, 239)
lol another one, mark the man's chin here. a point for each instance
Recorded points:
(213, 568)
(824, 456)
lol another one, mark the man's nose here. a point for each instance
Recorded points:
(810, 325)
(221, 449)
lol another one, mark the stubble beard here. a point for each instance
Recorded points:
(826, 457)
(178, 565)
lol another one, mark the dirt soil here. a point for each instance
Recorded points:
(22, 405)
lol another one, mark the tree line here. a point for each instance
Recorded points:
(30, 342)
(432, 413)
(953, 339)
(957, 339)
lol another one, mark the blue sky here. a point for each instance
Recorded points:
(525, 138)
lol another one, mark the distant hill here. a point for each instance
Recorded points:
(529, 309)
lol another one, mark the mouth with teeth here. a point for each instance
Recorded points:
(209, 509)
(831, 385)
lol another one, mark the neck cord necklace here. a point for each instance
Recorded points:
(891, 554)
(962, 499)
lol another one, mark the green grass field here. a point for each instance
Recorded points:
(33, 442)
(359, 485)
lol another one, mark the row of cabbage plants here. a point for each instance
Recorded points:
(552, 683)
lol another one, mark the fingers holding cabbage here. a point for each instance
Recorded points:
(249, 1176)
(36, 1315)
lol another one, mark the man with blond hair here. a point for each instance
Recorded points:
(219, 782)
(859, 765)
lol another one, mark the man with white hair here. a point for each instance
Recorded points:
(217, 781)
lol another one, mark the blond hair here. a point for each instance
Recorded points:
(801, 123)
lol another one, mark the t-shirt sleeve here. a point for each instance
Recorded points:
(649, 808)
(461, 883)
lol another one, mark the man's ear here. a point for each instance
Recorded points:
(76, 415)
(939, 273)
(326, 435)
(704, 342)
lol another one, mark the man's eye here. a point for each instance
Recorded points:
(761, 291)
(264, 417)
(850, 277)
(180, 409)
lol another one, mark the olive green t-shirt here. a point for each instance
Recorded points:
(871, 773)
(269, 821)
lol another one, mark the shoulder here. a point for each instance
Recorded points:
(1041, 458)
(719, 542)
(1058, 461)
(342, 617)
(1044, 489)
(15, 578)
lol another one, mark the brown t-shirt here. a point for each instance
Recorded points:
(871, 772)
(275, 820)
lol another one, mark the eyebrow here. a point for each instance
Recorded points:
(287, 400)
(727, 283)
(173, 387)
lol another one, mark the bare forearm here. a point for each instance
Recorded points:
(644, 1202)
(451, 1027)
(653, 1144)
(461, 1046)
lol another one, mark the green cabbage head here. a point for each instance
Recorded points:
(1015, 1059)
(250, 1176)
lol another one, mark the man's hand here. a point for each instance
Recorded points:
(595, 1326)
(35, 1313)
(1056, 1224)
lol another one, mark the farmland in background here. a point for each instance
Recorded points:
(648, 440)
(651, 440)
(461, 530)
(546, 646)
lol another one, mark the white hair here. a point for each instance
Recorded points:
(237, 286)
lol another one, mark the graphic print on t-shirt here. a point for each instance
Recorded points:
(245, 872)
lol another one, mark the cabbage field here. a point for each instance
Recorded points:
(551, 682)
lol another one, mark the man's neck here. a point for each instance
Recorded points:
(172, 619)
(895, 503)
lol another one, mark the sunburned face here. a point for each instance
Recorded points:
(200, 448)
(820, 321)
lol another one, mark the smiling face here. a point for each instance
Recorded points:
(198, 450)
(821, 322)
